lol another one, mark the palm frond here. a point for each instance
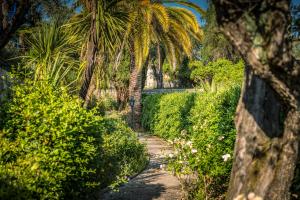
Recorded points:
(52, 53)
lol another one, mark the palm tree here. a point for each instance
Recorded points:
(169, 27)
(52, 53)
(183, 27)
(104, 21)
(140, 39)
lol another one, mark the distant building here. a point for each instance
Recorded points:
(150, 79)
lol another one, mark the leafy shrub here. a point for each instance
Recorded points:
(123, 155)
(201, 129)
(166, 115)
(221, 71)
(103, 104)
(208, 147)
(52, 148)
(150, 109)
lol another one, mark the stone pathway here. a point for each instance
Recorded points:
(153, 183)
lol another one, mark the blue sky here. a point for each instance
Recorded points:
(296, 2)
(202, 3)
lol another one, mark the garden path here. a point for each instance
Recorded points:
(154, 183)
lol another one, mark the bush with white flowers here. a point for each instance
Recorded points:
(203, 147)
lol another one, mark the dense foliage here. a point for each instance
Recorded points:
(166, 115)
(214, 44)
(52, 148)
(213, 135)
(201, 129)
(221, 71)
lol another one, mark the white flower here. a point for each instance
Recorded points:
(226, 157)
(171, 155)
(189, 143)
(161, 166)
(221, 138)
(194, 151)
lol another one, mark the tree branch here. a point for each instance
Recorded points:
(17, 20)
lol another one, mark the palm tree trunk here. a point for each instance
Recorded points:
(90, 93)
(90, 56)
(144, 71)
(160, 61)
(122, 96)
(135, 89)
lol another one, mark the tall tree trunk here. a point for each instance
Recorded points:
(90, 56)
(135, 89)
(90, 93)
(160, 61)
(122, 96)
(266, 147)
(268, 116)
(10, 24)
(144, 70)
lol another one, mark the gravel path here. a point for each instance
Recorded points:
(153, 183)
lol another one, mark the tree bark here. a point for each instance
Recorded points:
(9, 27)
(90, 93)
(90, 56)
(135, 88)
(266, 147)
(122, 96)
(145, 69)
(268, 116)
(160, 61)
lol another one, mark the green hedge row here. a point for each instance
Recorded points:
(201, 129)
(166, 115)
(52, 148)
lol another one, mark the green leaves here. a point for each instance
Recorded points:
(166, 115)
(52, 54)
(201, 129)
(222, 72)
(52, 148)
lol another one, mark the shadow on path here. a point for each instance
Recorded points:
(153, 183)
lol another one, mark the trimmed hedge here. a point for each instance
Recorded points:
(166, 115)
(201, 129)
(52, 148)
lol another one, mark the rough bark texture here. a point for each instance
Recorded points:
(122, 96)
(160, 61)
(90, 56)
(11, 19)
(266, 147)
(90, 93)
(268, 113)
(146, 66)
(135, 89)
